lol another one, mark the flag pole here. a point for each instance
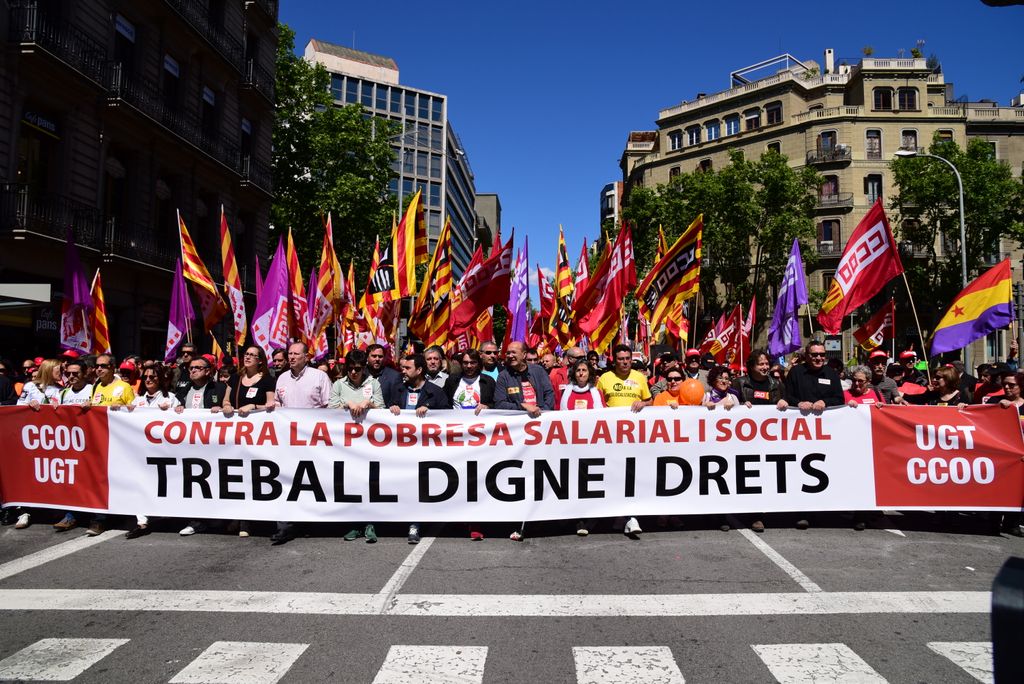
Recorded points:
(924, 349)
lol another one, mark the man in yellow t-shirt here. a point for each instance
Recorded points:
(109, 390)
(623, 386)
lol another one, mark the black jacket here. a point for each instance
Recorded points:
(746, 390)
(390, 383)
(431, 396)
(804, 385)
(451, 385)
(213, 394)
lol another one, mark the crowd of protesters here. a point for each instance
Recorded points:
(516, 378)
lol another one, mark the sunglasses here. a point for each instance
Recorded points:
(195, 368)
(250, 355)
(149, 376)
(349, 369)
(1010, 384)
(817, 355)
(488, 352)
(104, 365)
(673, 379)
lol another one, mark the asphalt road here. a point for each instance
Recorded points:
(903, 601)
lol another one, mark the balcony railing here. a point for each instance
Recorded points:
(150, 102)
(139, 243)
(839, 153)
(835, 200)
(24, 211)
(29, 26)
(830, 249)
(195, 14)
(255, 172)
(268, 6)
(259, 79)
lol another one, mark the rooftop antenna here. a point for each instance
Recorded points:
(353, 40)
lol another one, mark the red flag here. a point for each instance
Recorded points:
(485, 287)
(712, 336)
(870, 260)
(547, 301)
(602, 321)
(878, 329)
(726, 336)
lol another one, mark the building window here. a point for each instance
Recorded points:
(337, 83)
(873, 187)
(753, 119)
(704, 166)
(693, 135)
(435, 166)
(830, 187)
(873, 143)
(208, 116)
(907, 99)
(381, 103)
(883, 99)
(773, 113)
(367, 100)
(732, 124)
(673, 172)
(396, 101)
(675, 140)
(908, 139)
(424, 109)
(828, 233)
(774, 147)
(712, 130)
(171, 76)
(410, 104)
(826, 141)
(435, 194)
(351, 90)
(826, 279)
(436, 109)
(992, 145)
(944, 135)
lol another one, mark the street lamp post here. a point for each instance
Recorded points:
(963, 228)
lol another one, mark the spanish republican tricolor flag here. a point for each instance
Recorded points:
(986, 305)
(675, 278)
(232, 283)
(194, 270)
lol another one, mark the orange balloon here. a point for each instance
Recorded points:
(691, 392)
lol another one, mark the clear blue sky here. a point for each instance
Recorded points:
(543, 94)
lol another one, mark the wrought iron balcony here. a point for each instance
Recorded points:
(138, 243)
(829, 155)
(24, 211)
(259, 79)
(268, 6)
(256, 173)
(31, 28)
(195, 14)
(835, 200)
(830, 249)
(149, 101)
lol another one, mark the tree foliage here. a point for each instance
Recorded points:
(928, 217)
(752, 212)
(326, 159)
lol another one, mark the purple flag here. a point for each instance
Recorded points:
(74, 310)
(270, 318)
(181, 316)
(784, 332)
(518, 295)
(259, 276)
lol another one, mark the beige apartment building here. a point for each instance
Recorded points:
(847, 120)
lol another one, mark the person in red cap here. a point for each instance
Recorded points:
(908, 359)
(692, 369)
(886, 386)
(127, 372)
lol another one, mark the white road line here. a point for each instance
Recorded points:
(626, 665)
(974, 657)
(787, 567)
(56, 660)
(801, 663)
(499, 605)
(34, 560)
(393, 585)
(240, 662)
(433, 665)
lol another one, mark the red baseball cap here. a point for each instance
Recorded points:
(907, 355)
(692, 352)
(878, 354)
(38, 360)
(127, 365)
(70, 354)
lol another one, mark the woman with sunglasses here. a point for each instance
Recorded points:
(251, 388)
(943, 391)
(670, 395)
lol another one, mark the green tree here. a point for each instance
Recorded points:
(326, 159)
(928, 217)
(752, 212)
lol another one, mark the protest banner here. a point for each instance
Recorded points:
(319, 465)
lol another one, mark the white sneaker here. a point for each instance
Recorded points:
(243, 533)
(23, 521)
(187, 531)
(632, 527)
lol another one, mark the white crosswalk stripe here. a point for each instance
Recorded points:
(241, 662)
(433, 665)
(56, 660)
(626, 665)
(975, 657)
(818, 663)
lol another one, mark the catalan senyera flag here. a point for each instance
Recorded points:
(662, 245)
(870, 260)
(232, 283)
(297, 326)
(98, 318)
(878, 329)
(431, 313)
(984, 306)
(561, 317)
(676, 275)
(394, 276)
(194, 270)
(325, 295)
(216, 351)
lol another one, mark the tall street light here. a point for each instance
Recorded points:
(963, 229)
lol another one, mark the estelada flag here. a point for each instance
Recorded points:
(869, 261)
(675, 276)
(878, 329)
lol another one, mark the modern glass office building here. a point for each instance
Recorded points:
(429, 155)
